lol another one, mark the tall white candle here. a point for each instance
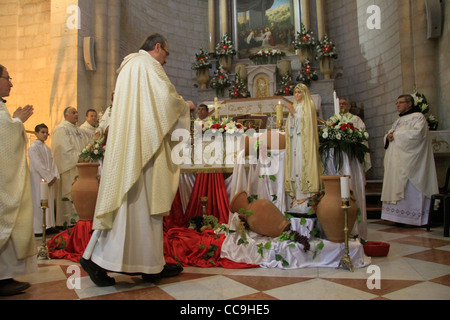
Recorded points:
(279, 113)
(216, 107)
(345, 188)
(44, 190)
(337, 110)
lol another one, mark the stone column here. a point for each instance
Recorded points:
(320, 18)
(113, 47)
(212, 25)
(101, 52)
(306, 15)
(223, 17)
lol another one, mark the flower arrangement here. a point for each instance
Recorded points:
(202, 60)
(421, 101)
(304, 39)
(220, 80)
(239, 90)
(326, 48)
(340, 134)
(225, 126)
(94, 151)
(267, 56)
(225, 47)
(307, 74)
(287, 86)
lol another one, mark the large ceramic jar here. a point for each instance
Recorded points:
(203, 78)
(85, 190)
(330, 213)
(265, 219)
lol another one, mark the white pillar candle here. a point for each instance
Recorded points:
(345, 188)
(337, 110)
(44, 190)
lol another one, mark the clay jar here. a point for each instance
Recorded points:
(85, 190)
(266, 219)
(329, 212)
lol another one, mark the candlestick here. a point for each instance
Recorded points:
(43, 251)
(216, 107)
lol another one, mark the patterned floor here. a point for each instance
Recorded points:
(417, 268)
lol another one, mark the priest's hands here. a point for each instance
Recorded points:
(291, 108)
(24, 113)
(390, 136)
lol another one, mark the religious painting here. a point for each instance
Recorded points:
(264, 25)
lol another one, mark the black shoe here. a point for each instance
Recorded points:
(97, 274)
(170, 270)
(11, 287)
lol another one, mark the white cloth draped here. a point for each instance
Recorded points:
(292, 253)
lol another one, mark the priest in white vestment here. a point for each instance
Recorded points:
(17, 243)
(409, 169)
(139, 179)
(42, 167)
(89, 127)
(67, 144)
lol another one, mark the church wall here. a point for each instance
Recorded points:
(370, 63)
(184, 24)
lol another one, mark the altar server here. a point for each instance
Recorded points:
(17, 244)
(409, 168)
(42, 167)
(303, 165)
(139, 180)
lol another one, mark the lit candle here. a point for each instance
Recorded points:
(279, 114)
(345, 188)
(44, 190)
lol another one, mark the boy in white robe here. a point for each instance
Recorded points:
(42, 167)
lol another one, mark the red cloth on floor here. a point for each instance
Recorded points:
(211, 185)
(70, 244)
(176, 217)
(190, 248)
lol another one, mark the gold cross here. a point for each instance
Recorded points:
(216, 107)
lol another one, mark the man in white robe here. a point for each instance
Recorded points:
(90, 125)
(410, 173)
(67, 143)
(42, 167)
(139, 180)
(17, 244)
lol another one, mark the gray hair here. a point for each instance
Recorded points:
(150, 43)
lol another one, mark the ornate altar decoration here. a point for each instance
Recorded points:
(251, 121)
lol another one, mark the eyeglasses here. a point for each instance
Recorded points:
(7, 78)
(167, 52)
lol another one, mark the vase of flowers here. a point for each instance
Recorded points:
(238, 89)
(304, 42)
(85, 187)
(220, 81)
(420, 101)
(287, 86)
(202, 65)
(307, 74)
(326, 53)
(225, 51)
(339, 136)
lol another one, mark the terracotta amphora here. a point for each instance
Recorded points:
(265, 219)
(85, 190)
(329, 212)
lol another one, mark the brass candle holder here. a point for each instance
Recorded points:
(346, 261)
(204, 202)
(43, 251)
